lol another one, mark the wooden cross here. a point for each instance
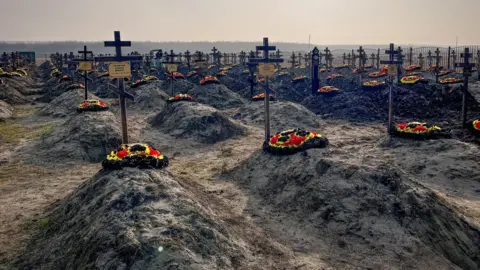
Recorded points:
(293, 60)
(214, 55)
(243, 56)
(233, 57)
(315, 64)
(85, 72)
(329, 59)
(188, 58)
(467, 72)
(399, 57)
(278, 55)
(454, 57)
(410, 56)
(437, 63)
(306, 58)
(349, 59)
(226, 59)
(372, 57)
(266, 48)
(378, 58)
(118, 44)
(299, 58)
(421, 60)
(344, 57)
(361, 61)
(171, 61)
(430, 59)
(391, 52)
(327, 53)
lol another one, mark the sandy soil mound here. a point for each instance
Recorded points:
(283, 115)
(66, 104)
(376, 217)
(54, 91)
(217, 96)
(196, 121)
(87, 136)
(235, 84)
(5, 110)
(133, 219)
(101, 89)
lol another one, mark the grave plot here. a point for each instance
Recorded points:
(55, 90)
(66, 104)
(148, 218)
(283, 115)
(179, 86)
(87, 136)
(217, 96)
(377, 211)
(11, 95)
(5, 110)
(191, 120)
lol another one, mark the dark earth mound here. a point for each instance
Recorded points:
(5, 110)
(133, 219)
(217, 96)
(419, 102)
(66, 104)
(88, 136)
(283, 115)
(374, 216)
(197, 121)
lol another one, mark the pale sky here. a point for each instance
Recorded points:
(329, 22)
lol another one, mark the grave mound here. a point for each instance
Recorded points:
(11, 95)
(421, 101)
(196, 121)
(364, 214)
(217, 96)
(283, 115)
(133, 219)
(179, 86)
(52, 92)
(88, 136)
(148, 97)
(66, 104)
(5, 110)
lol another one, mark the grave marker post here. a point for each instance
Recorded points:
(120, 68)
(299, 57)
(327, 53)
(344, 57)
(172, 66)
(278, 55)
(266, 61)
(399, 57)
(85, 65)
(233, 57)
(293, 61)
(467, 72)
(391, 74)
(188, 58)
(307, 57)
(454, 58)
(437, 64)
(421, 60)
(349, 59)
(372, 58)
(378, 58)
(478, 63)
(315, 64)
(430, 60)
(448, 57)
(410, 56)
(361, 57)
(243, 56)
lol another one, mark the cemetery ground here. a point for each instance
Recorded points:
(366, 201)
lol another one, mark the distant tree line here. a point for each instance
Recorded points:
(42, 48)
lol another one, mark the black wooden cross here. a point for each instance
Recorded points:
(329, 59)
(372, 57)
(293, 60)
(421, 61)
(243, 56)
(410, 56)
(226, 58)
(315, 63)
(215, 56)
(454, 58)
(278, 55)
(85, 72)
(430, 59)
(327, 53)
(118, 44)
(171, 61)
(378, 59)
(233, 57)
(188, 58)
(399, 57)
(437, 64)
(391, 52)
(266, 48)
(361, 62)
(344, 57)
(467, 72)
(349, 59)
(200, 62)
